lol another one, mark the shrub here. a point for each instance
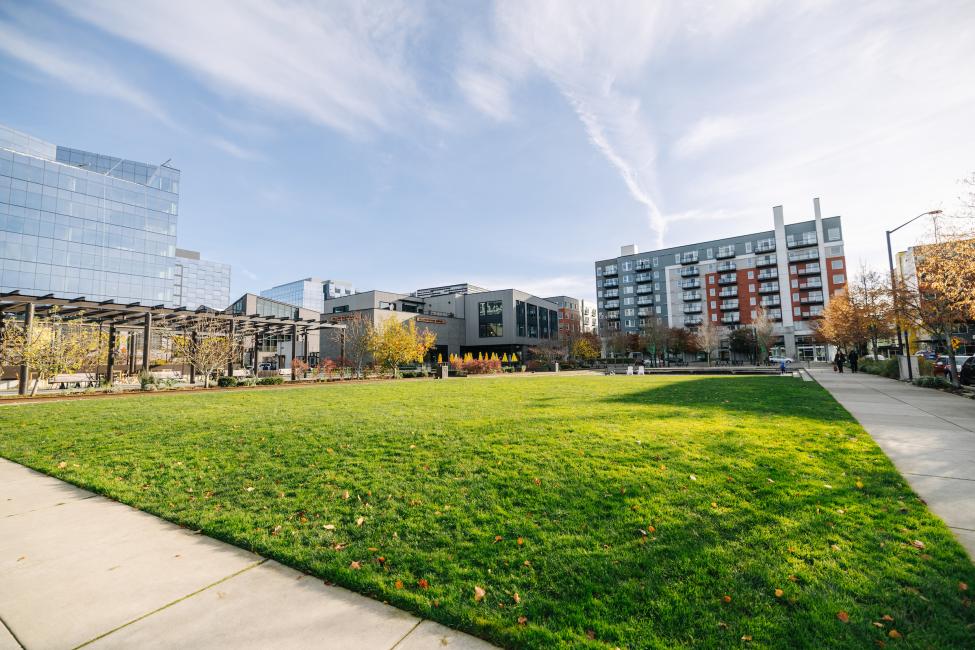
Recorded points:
(247, 381)
(888, 368)
(931, 382)
(274, 380)
(227, 381)
(476, 366)
(147, 381)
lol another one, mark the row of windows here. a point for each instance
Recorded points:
(536, 322)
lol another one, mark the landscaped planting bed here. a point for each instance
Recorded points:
(542, 511)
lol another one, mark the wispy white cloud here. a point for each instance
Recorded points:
(83, 73)
(706, 133)
(343, 65)
(234, 149)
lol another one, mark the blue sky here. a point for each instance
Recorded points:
(407, 144)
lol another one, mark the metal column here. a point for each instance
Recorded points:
(294, 345)
(230, 359)
(24, 369)
(146, 336)
(110, 370)
(193, 367)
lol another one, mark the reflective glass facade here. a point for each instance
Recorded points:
(201, 283)
(308, 293)
(77, 223)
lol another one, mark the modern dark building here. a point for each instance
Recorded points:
(790, 271)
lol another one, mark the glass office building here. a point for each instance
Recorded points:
(76, 223)
(200, 283)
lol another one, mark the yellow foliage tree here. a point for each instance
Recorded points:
(394, 343)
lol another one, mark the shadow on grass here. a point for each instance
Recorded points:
(771, 396)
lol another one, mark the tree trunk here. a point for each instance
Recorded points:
(33, 389)
(953, 373)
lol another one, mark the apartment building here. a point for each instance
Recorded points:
(790, 271)
(576, 316)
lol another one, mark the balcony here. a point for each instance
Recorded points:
(728, 278)
(728, 292)
(691, 321)
(726, 266)
(770, 301)
(766, 260)
(809, 269)
(690, 272)
(802, 256)
(642, 265)
(689, 258)
(812, 283)
(644, 300)
(724, 252)
(612, 304)
(611, 293)
(644, 277)
(611, 283)
(645, 311)
(812, 299)
(691, 295)
(694, 283)
(728, 305)
(805, 239)
(768, 287)
(693, 309)
(610, 271)
(775, 314)
(768, 274)
(644, 288)
(729, 319)
(612, 315)
(765, 245)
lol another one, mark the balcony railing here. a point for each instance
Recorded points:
(612, 315)
(611, 270)
(688, 258)
(812, 298)
(768, 274)
(731, 318)
(612, 304)
(725, 252)
(764, 245)
(693, 283)
(691, 295)
(611, 283)
(726, 266)
(689, 272)
(643, 312)
(692, 308)
(729, 304)
(768, 287)
(805, 239)
(728, 292)
(809, 269)
(644, 300)
(642, 265)
(690, 321)
(644, 277)
(611, 293)
(802, 256)
(766, 260)
(771, 301)
(775, 314)
(644, 288)
(812, 283)
(728, 278)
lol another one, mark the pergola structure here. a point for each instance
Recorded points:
(144, 318)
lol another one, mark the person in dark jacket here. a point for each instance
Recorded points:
(839, 360)
(854, 360)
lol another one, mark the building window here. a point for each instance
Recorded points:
(833, 234)
(520, 315)
(489, 319)
(839, 279)
(533, 321)
(553, 322)
(543, 323)
(341, 309)
(836, 264)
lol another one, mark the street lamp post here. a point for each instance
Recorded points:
(893, 284)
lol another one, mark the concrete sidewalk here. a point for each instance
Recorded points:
(929, 434)
(78, 569)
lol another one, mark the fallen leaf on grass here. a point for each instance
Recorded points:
(894, 634)
(359, 521)
(693, 478)
(249, 489)
(497, 538)
(778, 593)
(423, 583)
(747, 637)
(726, 598)
(329, 526)
(962, 586)
(520, 541)
(887, 617)
(917, 544)
(794, 578)
(591, 634)
(516, 597)
(843, 616)
(538, 481)
(355, 565)
(859, 484)
(338, 547)
(345, 495)
(878, 624)
(62, 465)
(478, 594)
(399, 584)
(522, 620)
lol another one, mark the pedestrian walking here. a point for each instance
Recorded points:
(838, 361)
(854, 360)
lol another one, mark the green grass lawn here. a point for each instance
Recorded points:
(631, 512)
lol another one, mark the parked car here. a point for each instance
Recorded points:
(942, 363)
(268, 366)
(927, 354)
(777, 360)
(967, 373)
(874, 357)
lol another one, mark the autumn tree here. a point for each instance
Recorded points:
(394, 343)
(585, 347)
(206, 343)
(51, 346)
(682, 341)
(708, 338)
(938, 296)
(870, 295)
(654, 337)
(742, 341)
(353, 338)
(764, 328)
(842, 324)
